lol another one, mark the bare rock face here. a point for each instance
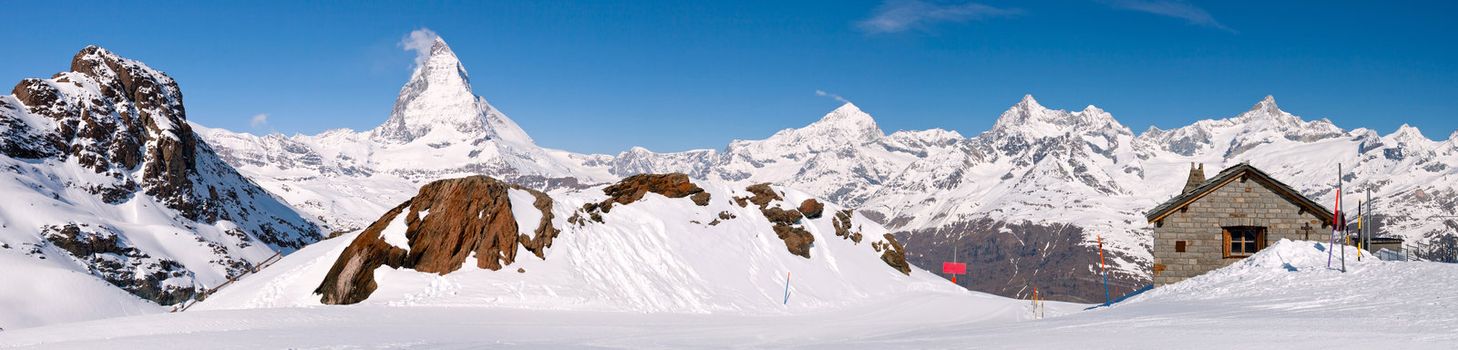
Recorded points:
(446, 222)
(352, 278)
(111, 256)
(812, 208)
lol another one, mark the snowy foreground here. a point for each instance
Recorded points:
(1284, 297)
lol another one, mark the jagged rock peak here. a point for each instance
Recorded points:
(1267, 109)
(1029, 117)
(1029, 103)
(1267, 104)
(438, 95)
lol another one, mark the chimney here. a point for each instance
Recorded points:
(1197, 177)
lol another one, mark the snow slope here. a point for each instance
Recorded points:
(1283, 297)
(658, 254)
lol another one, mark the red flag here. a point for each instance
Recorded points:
(954, 268)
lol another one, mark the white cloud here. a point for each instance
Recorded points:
(822, 93)
(420, 41)
(901, 15)
(1170, 8)
(259, 120)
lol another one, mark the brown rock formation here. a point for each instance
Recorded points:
(631, 189)
(894, 255)
(352, 278)
(786, 222)
(675, 185)
(446, 222)
(762, 195)
(842, 223)
(797, 240)
(811, 208)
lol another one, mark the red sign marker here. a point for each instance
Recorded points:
(954, 268)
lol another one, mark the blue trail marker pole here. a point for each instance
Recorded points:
(787, 288)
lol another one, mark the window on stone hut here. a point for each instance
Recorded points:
(1179, 246)
(1242, 241)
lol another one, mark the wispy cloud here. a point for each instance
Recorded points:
(420, 41)
(822, 93)
(1170, 8)
(259, 120)
(894, 16)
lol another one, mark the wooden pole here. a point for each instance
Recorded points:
(1103, 267)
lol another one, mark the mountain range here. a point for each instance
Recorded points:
(1028, 202)
(1044, 199)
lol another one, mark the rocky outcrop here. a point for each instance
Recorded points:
(675, 185)
(111, 256)
(893, 253)
(811, 208)
(110, 130)
(760, 194)
(786, 223)
(633, 188)
(352, 278)
(447, 222)
(842, 224)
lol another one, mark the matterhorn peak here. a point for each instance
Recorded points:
(438, 100)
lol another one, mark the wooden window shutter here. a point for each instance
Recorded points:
(1226, 246)
(1179, 246)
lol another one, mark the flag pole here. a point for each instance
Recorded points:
(1331, 239)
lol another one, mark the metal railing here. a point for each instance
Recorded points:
(186, 304)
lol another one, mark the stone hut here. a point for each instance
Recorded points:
(1213, 223)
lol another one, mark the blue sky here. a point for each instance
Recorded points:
(602, 76)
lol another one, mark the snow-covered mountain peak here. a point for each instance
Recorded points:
(1029, 118)
(1029, 103)
(1407, 135)
(1266, 104)
(848, 118)
(845, 124)
(1267, 109)
(438, 101)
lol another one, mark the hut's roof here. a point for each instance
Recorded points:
(1240, 172)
